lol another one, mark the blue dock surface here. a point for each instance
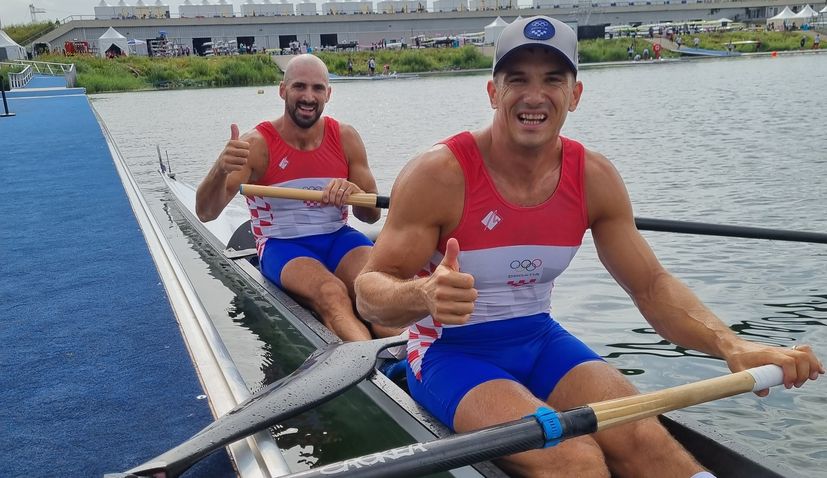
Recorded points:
(95, 377)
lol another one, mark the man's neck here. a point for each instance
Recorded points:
(303, 139)
(524, 176)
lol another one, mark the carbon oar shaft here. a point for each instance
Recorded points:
(545, 428)
(707, 229)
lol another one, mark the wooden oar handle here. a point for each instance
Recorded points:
(615, 412)
(357, 199)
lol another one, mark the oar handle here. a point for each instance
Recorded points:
(356, 199)
(615, 412)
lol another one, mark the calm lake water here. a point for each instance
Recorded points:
(734, 141)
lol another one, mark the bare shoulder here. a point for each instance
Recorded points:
(436, 170)
(598, 166)
(347, 131)
(431, 188)
(606, 193)
(352, 143)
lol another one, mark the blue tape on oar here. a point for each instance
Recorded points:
(550, 421)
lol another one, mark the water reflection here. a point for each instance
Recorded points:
(781, 330)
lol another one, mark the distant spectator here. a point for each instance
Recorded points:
(372, 66)
(350, 66)
(645, 53)
(697, 42)
(817, 41)
(630, 52)
(803, 41)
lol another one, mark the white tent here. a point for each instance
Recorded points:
(113, 42)
(786, 17)
(806, 14)
(493, 30)
(823, 10)
(9, 49)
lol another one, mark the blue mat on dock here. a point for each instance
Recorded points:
(94, 374)
(45, 81)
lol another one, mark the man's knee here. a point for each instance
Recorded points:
(647, 445)
(580, 457)
(331, 292)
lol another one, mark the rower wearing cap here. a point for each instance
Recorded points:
(481, 226)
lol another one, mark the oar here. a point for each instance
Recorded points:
(356, 199)
(324, 375)
(642, 223)
(543, 429)
(707, 229)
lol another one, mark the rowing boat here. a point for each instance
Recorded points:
(333, 78)
(231, 238)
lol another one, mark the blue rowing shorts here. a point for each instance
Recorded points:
(329, 249)
(535, 351)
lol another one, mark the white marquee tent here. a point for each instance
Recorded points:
(9, 49)
(114, 42)
(493, 30)
(786, 17)
(807, 14)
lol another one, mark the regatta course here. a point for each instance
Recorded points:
(724, 161)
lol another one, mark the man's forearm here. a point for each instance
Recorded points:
(389, 301)
(368, 215)
(681, 318)
(210, 198)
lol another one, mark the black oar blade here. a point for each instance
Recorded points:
(324, 375)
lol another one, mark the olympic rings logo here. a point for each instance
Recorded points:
(527, 264)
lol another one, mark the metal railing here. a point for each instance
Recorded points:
(18, 79)
(66, 70)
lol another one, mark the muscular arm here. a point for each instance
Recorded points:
(243, 160)
(360, 173)
(674, 311)
(427, 202)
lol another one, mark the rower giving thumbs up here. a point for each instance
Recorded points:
(234, 156)
(450, 293)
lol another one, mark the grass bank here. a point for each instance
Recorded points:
(138, 73)
(27, 32)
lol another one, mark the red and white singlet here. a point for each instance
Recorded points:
(289, 167)
(514, 253)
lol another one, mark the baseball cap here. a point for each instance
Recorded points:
(540, 31)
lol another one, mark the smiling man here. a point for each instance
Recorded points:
(306, 248)
(482, 225)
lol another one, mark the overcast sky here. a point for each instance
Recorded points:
(17, 11)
